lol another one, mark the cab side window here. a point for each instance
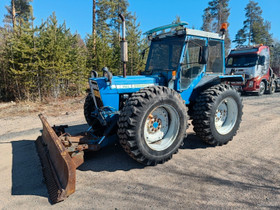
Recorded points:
(190, 67)
(215, 62)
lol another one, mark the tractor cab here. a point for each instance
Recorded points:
(183, 56)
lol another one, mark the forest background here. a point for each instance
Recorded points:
(39, 61)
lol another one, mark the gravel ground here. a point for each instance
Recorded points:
(245, 173)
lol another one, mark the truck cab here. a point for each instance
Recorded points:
(254, 63)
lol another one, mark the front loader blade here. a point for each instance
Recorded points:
(59, 169)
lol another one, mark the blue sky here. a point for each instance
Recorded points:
(150, 13)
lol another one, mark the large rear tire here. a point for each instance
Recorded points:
(217, 114)
(152, 124)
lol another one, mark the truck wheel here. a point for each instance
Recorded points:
(217, 114)
(262, 89)
(152, 124)
(272, 88)
(89, 107)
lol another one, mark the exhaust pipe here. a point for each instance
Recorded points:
(124, 57)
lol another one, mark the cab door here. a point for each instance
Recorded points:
(190, 67)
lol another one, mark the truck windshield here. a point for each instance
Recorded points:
(242, 61)
(165, 54)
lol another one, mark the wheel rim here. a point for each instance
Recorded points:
(262, 87)
(161, 127)
(226, 116)
(273, 87)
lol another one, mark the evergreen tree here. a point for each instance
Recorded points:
(207, 20)
(255, 30)
(6, 91)
(18, 12)
(77, 61)
(134, 47)
(107, 40)
(23, 61)
(214, 15)
(49, 61)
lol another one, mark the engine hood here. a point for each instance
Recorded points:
(128, 84)
(109, 92)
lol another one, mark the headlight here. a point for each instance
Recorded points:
(251, 84)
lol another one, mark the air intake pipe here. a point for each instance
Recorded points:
(124, 57)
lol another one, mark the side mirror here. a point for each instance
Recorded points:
(261, 60)
(203, 55)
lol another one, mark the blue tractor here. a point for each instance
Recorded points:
(148, 114)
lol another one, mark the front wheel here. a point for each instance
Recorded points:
(153, 124)
(217, 114)
(262, 88)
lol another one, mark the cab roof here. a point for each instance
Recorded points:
(180, 29)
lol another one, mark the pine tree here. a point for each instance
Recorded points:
(255, 30)
(134, 46)
(77, 61)
(18, 12)
(214, 15)
(6, 91)
(107, 40)
(207, 20)
(49, 61)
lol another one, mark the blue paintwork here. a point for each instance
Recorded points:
(155, 124)
(110, 92)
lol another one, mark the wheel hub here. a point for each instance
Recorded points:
(161, 127)
(221, 114)
(226, 115)
(154, 124)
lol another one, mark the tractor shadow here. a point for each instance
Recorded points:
(27, 177)
(194, 142)
(114, 158)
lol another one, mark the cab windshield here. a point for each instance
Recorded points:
(164, 54)
(242, 61)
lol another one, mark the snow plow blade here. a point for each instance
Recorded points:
(59, 168)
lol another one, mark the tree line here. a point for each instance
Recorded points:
(47, 60)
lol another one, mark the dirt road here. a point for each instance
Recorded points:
(242, 174)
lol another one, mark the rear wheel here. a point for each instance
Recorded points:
(153, 124)
(217, 114)
(272, 88)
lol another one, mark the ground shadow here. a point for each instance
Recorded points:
(194, 142)
(27, 178)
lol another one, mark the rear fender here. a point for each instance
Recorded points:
(211, 80)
